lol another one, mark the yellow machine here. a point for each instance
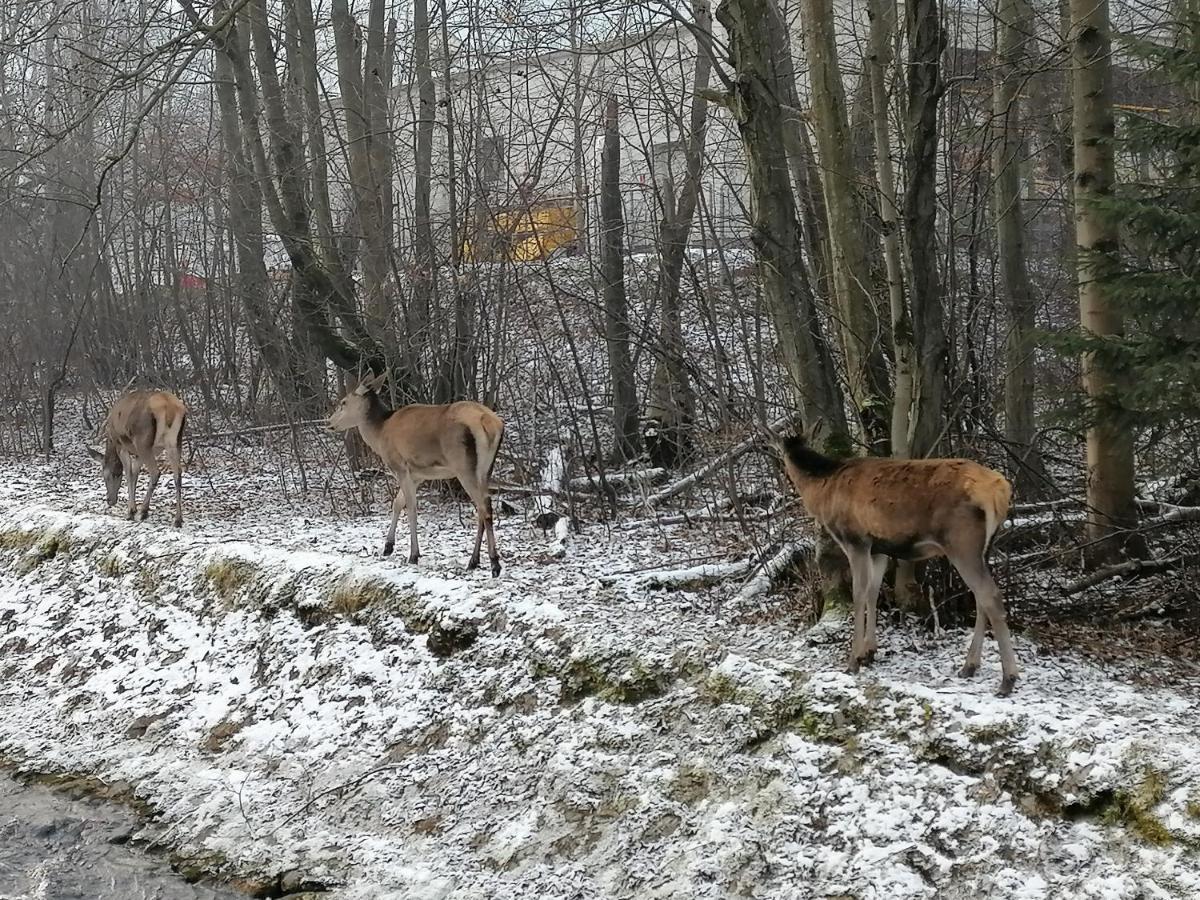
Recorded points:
(524, 234)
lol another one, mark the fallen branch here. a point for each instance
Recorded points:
(1130, 567)
(693, 576)
(617, 480)
(739, 449)
(1041, 520)
(699, 517)
(789, 554)
(1023, 509)
(253, 429)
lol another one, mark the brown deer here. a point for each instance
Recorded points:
(909, 509)
(140, 426)
(427, 443)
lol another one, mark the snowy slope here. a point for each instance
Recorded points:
(287, 701)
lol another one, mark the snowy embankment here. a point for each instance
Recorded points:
(290, 708)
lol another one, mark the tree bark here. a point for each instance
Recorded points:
(1014, 20)
(1112, 513)
(612, 271)
(926, 40)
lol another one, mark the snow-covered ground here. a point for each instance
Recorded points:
(289, 703)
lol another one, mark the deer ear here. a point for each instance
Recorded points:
(371, 383)
(95, 454)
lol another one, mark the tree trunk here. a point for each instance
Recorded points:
(1013, 23)
(671, 405)
(424, 263)
(578, 95)
(926, 40)
(245, 207)
(882, 14)
(859, 326)
(758, 47)
(612, 272)
(288, 207)
(1111, 510)
(757, 42)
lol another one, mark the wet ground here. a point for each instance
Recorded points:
(56, 848)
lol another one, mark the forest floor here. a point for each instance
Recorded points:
(292, 710)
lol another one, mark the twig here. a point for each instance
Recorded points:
(716, 462)
(1130, 567)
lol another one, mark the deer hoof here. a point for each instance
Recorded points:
(1007, 683)
(473, 564)
(868, 658)
(132, 514)
(853, 666)
(495, 568)
(144, 515)
(414, 558)
(388, 548)
(968, 670)
(178, 522)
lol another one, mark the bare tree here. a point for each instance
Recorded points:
(882, 15)
(671, 406)
(616, 310)
(1014, 21)
(859, 327)
(756, 35)
(926, 40)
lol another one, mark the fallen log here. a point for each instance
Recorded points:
(692, 576)
(617, 480)
(787, 555)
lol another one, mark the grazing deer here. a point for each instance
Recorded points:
(426, 443)
(141, 425)
(909, 509)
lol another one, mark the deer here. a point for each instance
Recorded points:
(908, 509)
(424, 442)
(140, 426)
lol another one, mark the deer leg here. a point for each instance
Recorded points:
(153, 471)
(493, 553)
(975, 648)
(878, 569)
(176, 464)
(410, 494)
(974, 572)
(483, 513)
(133, 466)
(398, 503)
(860, 577)
(473, 562)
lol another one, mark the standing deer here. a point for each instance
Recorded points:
(909, 509)
(140, 426)
(426, 443)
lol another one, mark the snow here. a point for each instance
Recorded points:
(284, 698)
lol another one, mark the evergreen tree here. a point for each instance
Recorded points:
(1156, 277)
